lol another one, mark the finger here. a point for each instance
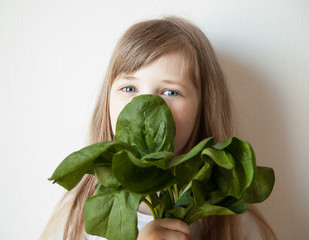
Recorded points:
(174, 235)
(175, 225)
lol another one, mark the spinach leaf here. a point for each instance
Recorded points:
(137, 179)
(234, 165)
(112, 213)
(76, 165)
(139, 165)
(147, 124)
(261, 186)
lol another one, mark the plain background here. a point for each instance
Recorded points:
(53, 56)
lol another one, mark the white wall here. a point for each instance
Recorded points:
(53, 56)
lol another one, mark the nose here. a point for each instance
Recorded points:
(149, 92)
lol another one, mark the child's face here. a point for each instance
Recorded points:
(163, 78)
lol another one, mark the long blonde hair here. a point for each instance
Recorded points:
(140, 45)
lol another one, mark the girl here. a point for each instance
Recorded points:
(172, 58)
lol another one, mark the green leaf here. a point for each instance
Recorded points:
(196, 212)
(106, 177)
(213, 179)
(220, 157)
(154, 199)
(159, 159)
(187, 165)
(112, 214)
(206, 193)
(186, 210)
(76, 165)
(234, 165)
(194, 153)
(164, 204)
(236, 205)
(261, 187)
(186, 200)
(147, 124)
(140, 180)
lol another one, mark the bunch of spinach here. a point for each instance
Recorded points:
(139, 165)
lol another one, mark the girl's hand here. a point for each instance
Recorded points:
(165, 229)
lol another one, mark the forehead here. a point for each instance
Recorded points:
(175, 64)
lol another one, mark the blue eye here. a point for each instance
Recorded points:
(128, 89)
(171, 93)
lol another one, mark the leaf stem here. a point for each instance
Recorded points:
(176, 192)
(175, 186)
(154, 214)
(170, 192)
(186, 188)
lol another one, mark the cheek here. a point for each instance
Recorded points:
(115, 107)
(184, 117)
(184, 124)
(113, 114)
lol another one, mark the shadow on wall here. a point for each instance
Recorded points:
(259, 119)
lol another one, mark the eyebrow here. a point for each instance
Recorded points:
(128, 77)
(174, 82)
